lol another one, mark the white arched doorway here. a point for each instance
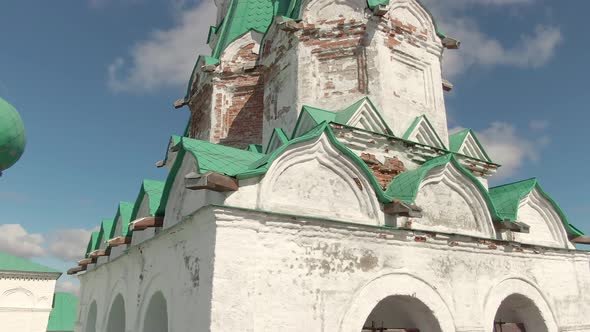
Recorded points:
(517, 305)
(116, 321)
(156, 315)
(397, 300)
(518, 313)
(91, 318)
(401, 313)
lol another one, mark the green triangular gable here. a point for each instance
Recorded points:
(318, 115)
(507, 199)
(124, 212)
(92, 243)
(457, 140)
(106, 232)
(439, 143)
(405, 186)
(277, 138)
(153, 189)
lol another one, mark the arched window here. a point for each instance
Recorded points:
(156, 315)
(518, 313)
(116, 322)
(91, 318)
(401, 313)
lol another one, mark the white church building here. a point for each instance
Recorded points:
(317, 188)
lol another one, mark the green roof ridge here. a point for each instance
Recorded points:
(92, 242)
(210, 157)
(415, 124)
(507, 199)
(279, 133)
(10, 262)
(124, 211)
(340, 117)
(106, 232)
(405, 186)
(154, 190)
(64, 313)
(456, 142)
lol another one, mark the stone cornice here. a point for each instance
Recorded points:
(29, 275)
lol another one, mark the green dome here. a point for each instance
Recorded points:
(12, 135)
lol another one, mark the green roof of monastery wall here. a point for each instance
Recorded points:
(124, 211)
(64, 313)
(13, 263)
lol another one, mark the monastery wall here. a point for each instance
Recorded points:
(280, 272)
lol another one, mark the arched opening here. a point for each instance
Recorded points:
(401, 314)
(116, 322)
(156, 315)
(518, 313)
(91, 318)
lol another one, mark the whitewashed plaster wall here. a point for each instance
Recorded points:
(313, 275)
(300, 75)
(25, 302)
(230, 269)
(178, 262)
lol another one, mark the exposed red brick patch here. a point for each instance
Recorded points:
(384, 172)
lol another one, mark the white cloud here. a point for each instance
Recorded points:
(533, 49)
(70, 285)
(507, 147)
(15, 240)
(167, 57)
(69, 244)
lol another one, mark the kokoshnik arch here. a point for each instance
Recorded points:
(316, 188)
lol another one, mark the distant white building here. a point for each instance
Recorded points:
(317, 188)
(26, 294)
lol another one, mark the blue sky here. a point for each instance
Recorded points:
(94, 82)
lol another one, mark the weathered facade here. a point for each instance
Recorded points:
(317, 188)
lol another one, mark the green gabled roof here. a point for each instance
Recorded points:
(92, 243)
(64, 313)
(255, 148)
(153, 189)
(261, 166)
(456, 142)
(210, 157)
(340, 117)
(174, 140)
(106, 231)
(13, 263)
(246, 15)
(277, 134)
(405, 186)
(124, 212)
(416, 122)
(507, 199)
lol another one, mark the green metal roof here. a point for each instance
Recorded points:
(277, 134)
(255, 148)
(12, 135)
(456, 142)
(507, 199)
(246, 15)
(65, 311)
(124, 212)
(92, 243)
(13, 263)
(340, 117)
(405, 186)
(416, 122)
(106, 232)
(153, 189)
(210, 157)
